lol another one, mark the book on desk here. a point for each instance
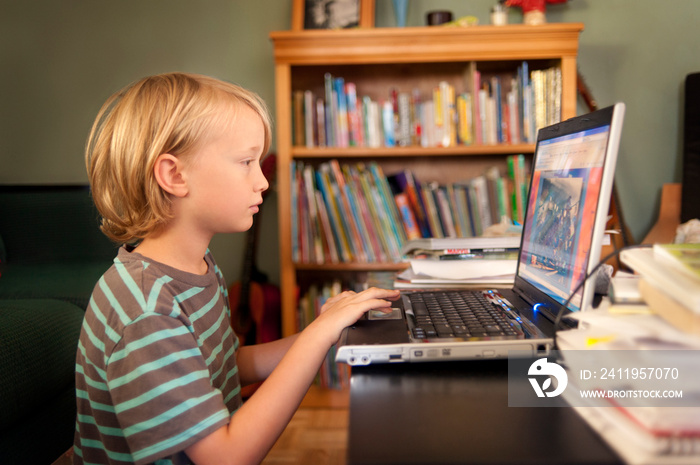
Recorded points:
(643, 431)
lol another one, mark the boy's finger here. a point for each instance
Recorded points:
(375, 292)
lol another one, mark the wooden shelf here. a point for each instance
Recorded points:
(399, 152)
(426, 44)
(351, 266)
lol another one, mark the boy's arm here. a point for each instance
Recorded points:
(256, 362)
(255, 427)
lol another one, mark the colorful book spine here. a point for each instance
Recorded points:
(388, 124)
(356, 136)
(342, 134)
(337, 223)
(404, 120)
(409, 219)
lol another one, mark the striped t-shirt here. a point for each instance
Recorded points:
(156, 368)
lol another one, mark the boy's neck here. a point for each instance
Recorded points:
(184, 255)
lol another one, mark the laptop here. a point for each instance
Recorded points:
(567, 208)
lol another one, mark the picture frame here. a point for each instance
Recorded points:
(332, 14)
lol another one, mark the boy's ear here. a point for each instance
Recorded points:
(169, 175)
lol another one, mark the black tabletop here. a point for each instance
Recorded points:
(457, 412)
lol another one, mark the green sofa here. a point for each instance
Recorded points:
(51, 255)
(53, 247)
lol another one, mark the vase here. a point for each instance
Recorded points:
(400, 12)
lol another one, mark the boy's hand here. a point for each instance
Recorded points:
(347, 307)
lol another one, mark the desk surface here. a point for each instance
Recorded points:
(457, 412)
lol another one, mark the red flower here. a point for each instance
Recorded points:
(532, 5)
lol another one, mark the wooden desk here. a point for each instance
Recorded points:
(457, 412)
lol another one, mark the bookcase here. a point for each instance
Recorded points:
(378, 60)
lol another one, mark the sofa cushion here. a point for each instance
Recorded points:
(41, 224)
(38, 344)
(3, 256)
(69, 281)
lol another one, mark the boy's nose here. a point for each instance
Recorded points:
(263, 183)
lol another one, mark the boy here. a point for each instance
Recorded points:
(172, 160)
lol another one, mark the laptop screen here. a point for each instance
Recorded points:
(561, 214)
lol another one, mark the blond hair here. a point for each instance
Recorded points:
(169, 113)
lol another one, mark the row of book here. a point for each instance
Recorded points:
(498, 109)
(343, 214)
(356, 213)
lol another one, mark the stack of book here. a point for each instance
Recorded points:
(459, 262)
(669, 282)
(641, 379)
(648, 361)
(495, 109)
(356, 213)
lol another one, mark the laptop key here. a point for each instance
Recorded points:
(489, 328)
(443, 328)
(419, 308)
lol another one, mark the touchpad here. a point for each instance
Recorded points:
(395, 314)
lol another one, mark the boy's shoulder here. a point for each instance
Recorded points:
(131, 263)
(138, 285)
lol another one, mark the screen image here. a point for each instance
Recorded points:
(557, 238)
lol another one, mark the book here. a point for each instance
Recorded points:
(467, 254)
(366, 221)
(675, 283)
(637, 444)
(444, 212)
(462, 243)
(403, 136)
(310, 138)
(684, 258)
(329, 242)
(321, 122)
(342, 134)
(409, 219)
(428, 196)
(388, 124)
(405, 182)
(298, 119)
(330, 196)
(517, 175)
(355, 125)
(328, 112)
(481, 202)
(314, 221)
(669, 308)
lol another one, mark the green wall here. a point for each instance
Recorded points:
(61, 59)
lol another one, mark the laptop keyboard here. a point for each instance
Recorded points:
(462, 314)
